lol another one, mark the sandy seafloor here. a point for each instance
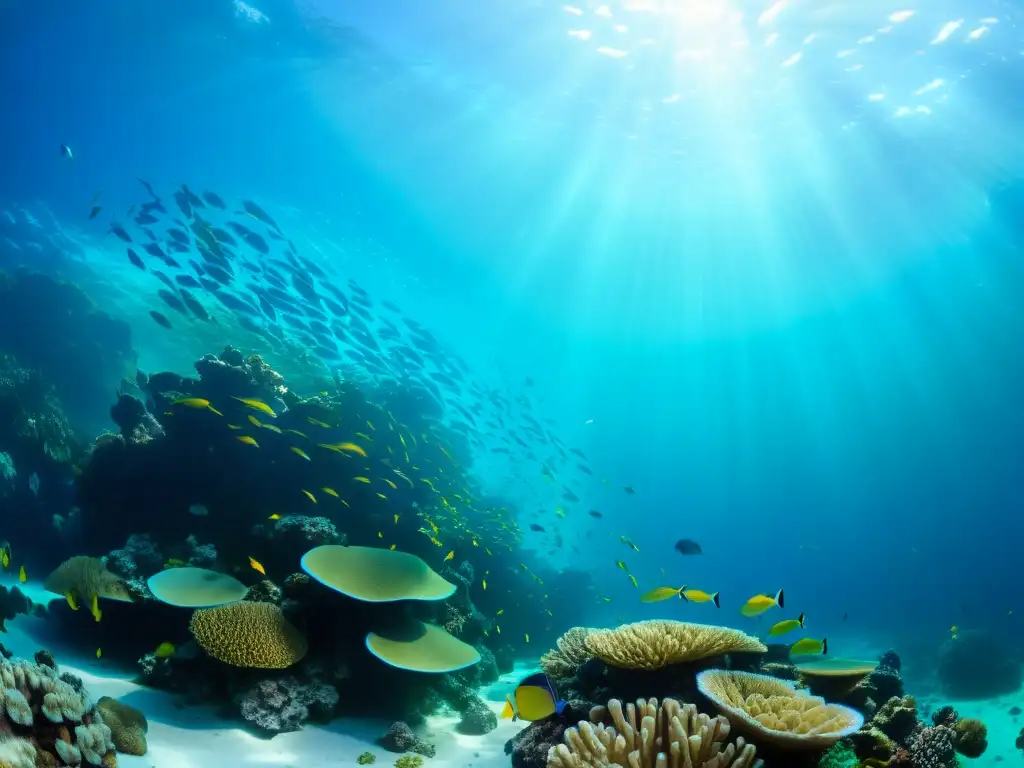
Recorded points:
(196, 737)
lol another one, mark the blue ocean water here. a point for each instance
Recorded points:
(744, 256)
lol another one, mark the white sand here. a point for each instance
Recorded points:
(1002, 727)
(196, 737)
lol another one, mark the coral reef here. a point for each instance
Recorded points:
(656, 643)
(897, 718)
(127, 724)
(970, 737)
(366, 758)
(977, 665)
(276, 705)
(646, 734)
(477, 719)
(247, 634)
(933, 747)
(400, 738)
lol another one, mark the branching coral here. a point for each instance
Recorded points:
(667, 736)
(277, 705)
(655, 644)
(777, 712)
(570, 654)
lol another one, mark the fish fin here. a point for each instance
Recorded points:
(714, 599)
(683, 597)
(800, 620)
(780, 598)
(508, 712)
(559, 706)
(824, 646)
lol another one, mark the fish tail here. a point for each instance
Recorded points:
(214, 410)
(824, 646)
(682, 594)
(800, 621)
(780, 599)
(714, 599)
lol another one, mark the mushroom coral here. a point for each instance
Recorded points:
(667, 736)
(778, 713)
(656, 643)
(428, 648)
(190, 587)
(375, 575)
(246, 634)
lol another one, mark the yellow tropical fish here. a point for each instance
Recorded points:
(197, 402)
(299, 452)
(99, 653)
(247, 440)
(808, 646)
(257, 405)
(380, 534)
(449, 556)
(633, 579)
(274, 516)
(381, 495)
(296, 432)
(5, 557)
(256, 565)
(393, 547)
(310, 496)
(700, 596)
(330, 492)
(233, 426)
(22, 576)
(254, 421)
(370, 425)
(658, 594)
(70, 597)
(497, 629)
(436, 542)
(396, 519)
(317, 422)
(390, 483)
(758, 604)
(483, 582)
(622, 566)
(272, 428)
(164, 651)
(94, 608)
(784, 627)
(364, 436)
(500, 611)
(361, 479)
(345, 503)
(527, 637)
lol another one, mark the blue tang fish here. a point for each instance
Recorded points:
(533, 699)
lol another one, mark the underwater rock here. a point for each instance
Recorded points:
(477, 719)
(897, 719)
(945, 716)
(232, 375)
(45, 658)
(137, 425)
(36, 430)
(487, 667)
(970, 737)
(54, 327)
(505, 658)
(278, 705)
(529, 748)
(300, 532)
(8, 475)
(400, 738)
(978, 665)
(264, 591)
(12, 603)
(127, 724)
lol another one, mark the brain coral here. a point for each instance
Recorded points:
(776, 711)
(654, 644)
(667, 735)
(246, 634)
(128, 725)
(86, 576)
(375, 575)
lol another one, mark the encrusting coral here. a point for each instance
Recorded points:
(247, 634)
(656, 643)
(669, 735)
(778, 713)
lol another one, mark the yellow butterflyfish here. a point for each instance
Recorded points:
(633, 579)
(497, 629)
(364, 436)
(700, 596)
(658, 594)
(317, 422)
(500, 611)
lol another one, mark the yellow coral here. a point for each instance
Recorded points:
(128, 725)
(570, 654)
(776, 712)
(668, 736)
(654, 644)
(247, 634)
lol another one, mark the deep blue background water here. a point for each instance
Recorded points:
(786, 309)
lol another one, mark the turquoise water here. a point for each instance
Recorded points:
(751, 259)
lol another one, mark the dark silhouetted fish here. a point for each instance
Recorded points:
(214, 200)
(267, 307)
(163, 279)
(155, 205)
(172, 301)
(135, 259)
(219, 274)
(149, 188)
(595, 513)
(210, 285)
(389, 306)
(145, 218)
(223, 236)
(155, 250)
(177, 247)
(179, 235)
(118, 230)
(535, 527)
(336, 309)
(258, 213)
(688, 547)
(95, 212)
(160, 319)
(193, 199)
(194, 306)
(187, 281)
